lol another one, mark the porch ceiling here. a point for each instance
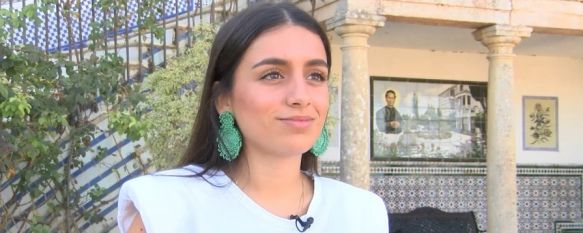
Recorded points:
(457, 39)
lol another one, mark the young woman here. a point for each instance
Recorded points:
(251, 163)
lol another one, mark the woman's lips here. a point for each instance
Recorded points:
(297, 121)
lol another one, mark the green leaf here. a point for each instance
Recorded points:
(15, 21)
(29, 11)
(4, 12)
(4, 91)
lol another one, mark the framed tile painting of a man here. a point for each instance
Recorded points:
(422, 119)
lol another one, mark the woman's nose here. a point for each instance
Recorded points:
(298, 92)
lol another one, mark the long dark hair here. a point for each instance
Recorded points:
(229, 46)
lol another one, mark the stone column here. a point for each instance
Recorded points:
(355, 105)
(501, 155)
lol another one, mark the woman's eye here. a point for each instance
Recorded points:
(272, 75)
(317, 76)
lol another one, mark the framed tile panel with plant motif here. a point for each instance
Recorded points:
(540, 119)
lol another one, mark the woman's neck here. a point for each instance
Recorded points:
(274, 182)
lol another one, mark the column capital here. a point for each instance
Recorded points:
(500, 38)
(363, 30)
(355, 21)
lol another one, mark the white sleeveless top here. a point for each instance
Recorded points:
(174, 202)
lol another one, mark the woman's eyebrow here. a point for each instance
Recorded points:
(270, 61)
(317, 62)
(281, 62)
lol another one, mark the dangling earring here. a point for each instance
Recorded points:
(321, 144)
(229, 139)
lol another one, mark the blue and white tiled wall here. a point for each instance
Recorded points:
(546, 196)
(51, 33)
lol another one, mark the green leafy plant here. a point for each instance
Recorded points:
(47, 109)
(174, 94)
(48, 103)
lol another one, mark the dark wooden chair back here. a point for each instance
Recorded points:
(432, 220)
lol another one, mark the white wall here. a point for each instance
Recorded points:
(552, 76)
(535, 76)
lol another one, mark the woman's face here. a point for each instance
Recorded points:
(280, 92)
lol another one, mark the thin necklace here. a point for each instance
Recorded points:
(301, 195)
(299, 210)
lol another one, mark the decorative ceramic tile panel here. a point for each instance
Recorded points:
(545, 195)
(403, 193)
(57, 37)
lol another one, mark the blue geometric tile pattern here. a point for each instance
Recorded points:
(542, 200)
(545, 195)
(57, 37)
(455, 193)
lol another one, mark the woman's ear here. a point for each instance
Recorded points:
(223, 102)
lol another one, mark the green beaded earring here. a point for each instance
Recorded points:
(321, 144)
(229, 140)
